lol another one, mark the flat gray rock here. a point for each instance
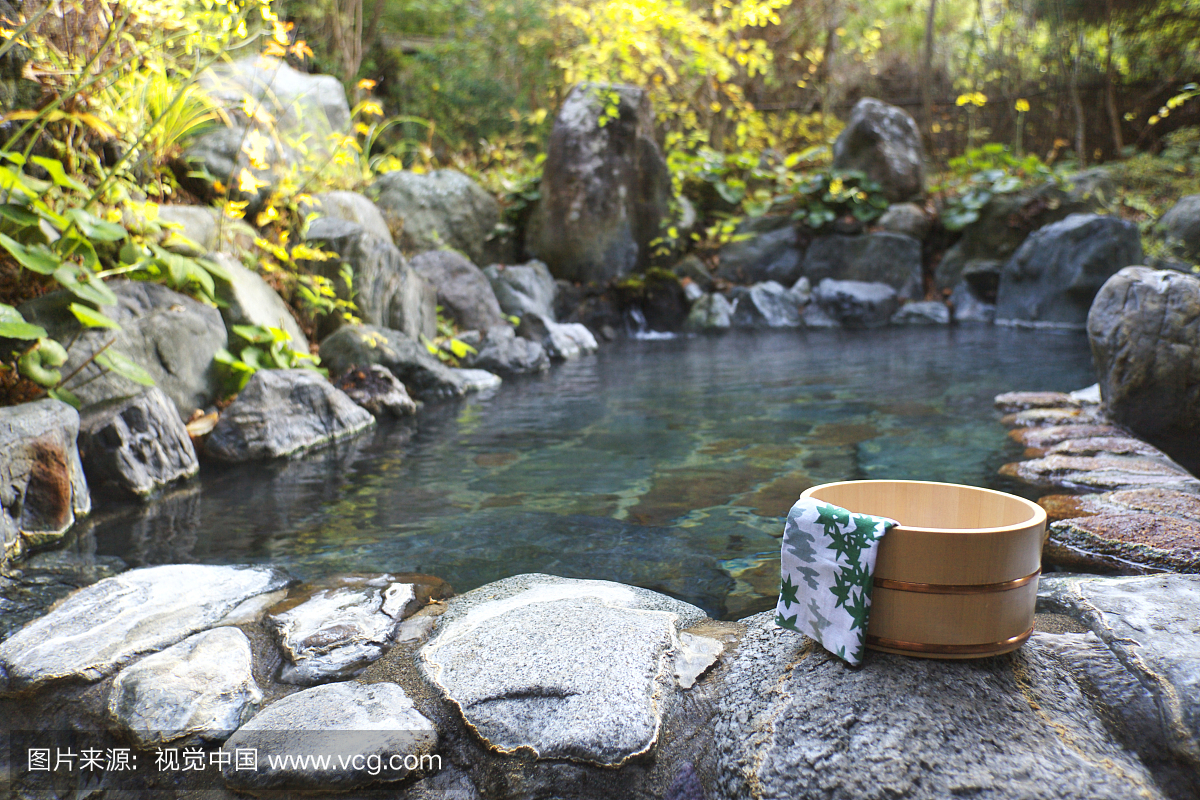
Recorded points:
(924, 312)
(281, 412)
(42, 488)
(200, 689)
(99, 629)
(336, 632)
(559, 668)
(562, 341)
(795, 722)
(363, 729)
(136, 445)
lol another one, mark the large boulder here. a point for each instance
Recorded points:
(169, 335)
(605, 187)
(352, 207)
(772, 252)
(280, 114)
(856, 304)
(135, 445)
(386, 290)
(710, 312)
(248, 300)
(889, 258)
(522, 289)
(463, 291)
(443, 208)
(202, 688)
(281, 412)
(764, 305)
(884, 142)
(201, 230)
(1055, 274)
(422, 374)
(103, 627)
(42, 488)
(1144, 329)
(1180, 227)
(1007, 219)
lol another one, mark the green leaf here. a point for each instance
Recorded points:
(92, 318)
(124, 366)
(18, 214)
(460, 349)
(65, 396)
(199, 276)
(80, 283)
(75, 245)
(96, 229)
(10, 314)
(253, 333)
(57, 173)
(21, 330)
(36, 258)
(217, 270)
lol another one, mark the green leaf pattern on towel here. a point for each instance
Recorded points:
(828, 560)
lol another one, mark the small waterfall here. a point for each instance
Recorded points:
(635, 326)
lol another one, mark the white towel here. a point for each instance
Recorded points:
(827, 566)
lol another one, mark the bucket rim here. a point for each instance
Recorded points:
(1037, 513)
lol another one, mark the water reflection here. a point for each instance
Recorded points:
(666, 464)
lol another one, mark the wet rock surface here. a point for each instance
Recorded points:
(135, 445)
(282, 412)
(710, 312)
(856, 304)
(100, 628)
(334, 631)
(202, 688)
(522, 289)
(924, 312)
(500, 350)
(763, 305)
(42, 486)
(562, 341)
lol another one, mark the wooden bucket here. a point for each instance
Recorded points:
(958, 577)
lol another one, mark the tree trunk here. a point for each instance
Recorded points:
(1110, 92)
(1077, 102)
(927, 75)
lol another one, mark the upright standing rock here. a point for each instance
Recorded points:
(463, 290)
(605, 188)
(42, 489)
(884, 142)
(443, 208)
(1181, 227)
(1144, 329)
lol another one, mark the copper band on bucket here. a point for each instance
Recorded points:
(949, 649)
(937, 588)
